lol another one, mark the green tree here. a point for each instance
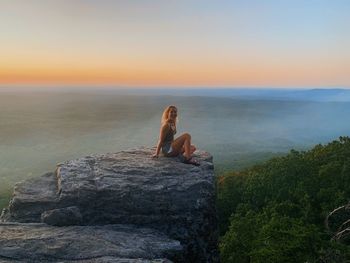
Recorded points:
(275, 212)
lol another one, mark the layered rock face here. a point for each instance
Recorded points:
(126, 194)
(43, 243)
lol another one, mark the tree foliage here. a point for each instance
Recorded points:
(275, 212)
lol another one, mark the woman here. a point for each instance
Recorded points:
(166, 142)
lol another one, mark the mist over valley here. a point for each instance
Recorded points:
(40, 128)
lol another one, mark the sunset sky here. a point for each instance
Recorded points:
(270, 43)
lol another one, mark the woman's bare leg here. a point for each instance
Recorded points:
(181, 143)
(193, 149)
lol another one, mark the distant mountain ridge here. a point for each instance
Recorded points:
(320, 95)
(326, 95)
(290, 94)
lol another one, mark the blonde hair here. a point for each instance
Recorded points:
(166, 114)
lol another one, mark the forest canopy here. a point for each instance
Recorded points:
(277, 211)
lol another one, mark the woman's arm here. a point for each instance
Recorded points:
(163, 131)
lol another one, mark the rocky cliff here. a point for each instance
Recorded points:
(115, 207)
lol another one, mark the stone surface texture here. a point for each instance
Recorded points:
(84, 242)
(66, 216)
(103, 192)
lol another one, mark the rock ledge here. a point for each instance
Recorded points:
(115, 199)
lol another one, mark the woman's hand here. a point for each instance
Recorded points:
(155, 155)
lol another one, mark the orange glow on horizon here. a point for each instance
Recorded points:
(206, 74)
(171, 70)
(221, 69)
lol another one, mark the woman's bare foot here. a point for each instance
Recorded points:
(192, 161)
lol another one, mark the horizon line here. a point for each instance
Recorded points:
(168, 87)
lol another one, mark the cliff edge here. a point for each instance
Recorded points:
(114, 207)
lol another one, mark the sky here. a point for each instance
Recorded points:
(175, 43)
